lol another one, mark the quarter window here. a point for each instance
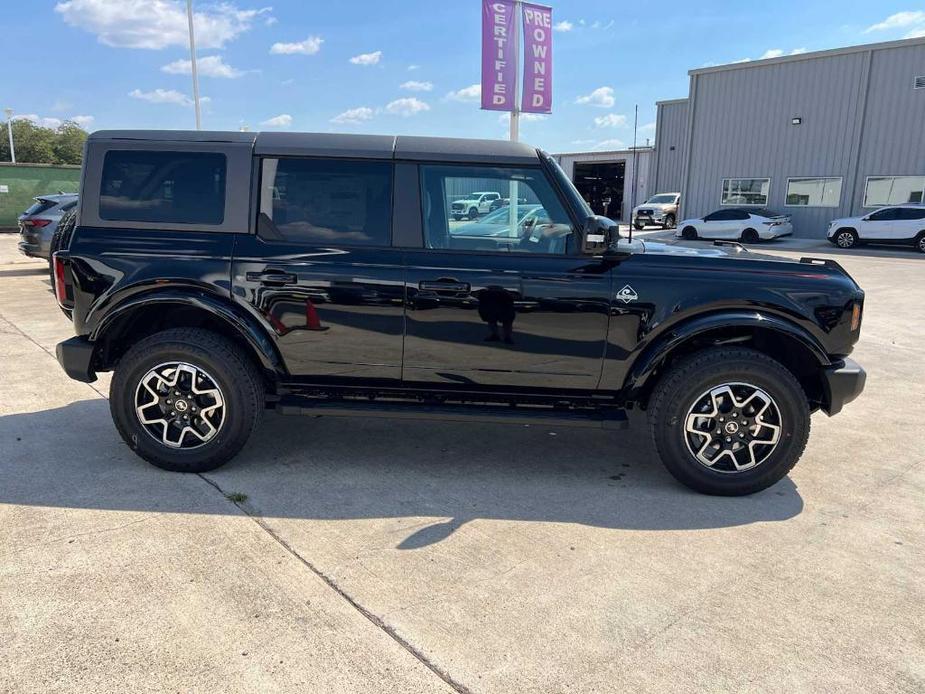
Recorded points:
(813, 192)
(537, 222)
(893, 190)
(163, 187)
(326, 202)
(745, 191)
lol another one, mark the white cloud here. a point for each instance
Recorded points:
(84, 122)
(354, 116)
(412, 68)
(602, 97)
(611, 120)
(367, 58)
(610, 144)
(915, 21)
(156, 24)
(416, 86)
(283, 120)
(207, 66)
(564, 25)
(648, 126)
(41, 121)
(162, 96)
(466, 94)
(309, 46)
(406, 107)
(270, 21)
(777, 53)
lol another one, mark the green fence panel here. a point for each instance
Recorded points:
(19, 183)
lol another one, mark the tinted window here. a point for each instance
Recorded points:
(906, 213)
(40, 206)
(323, 201)
(884, 215)
(539, 224)
(720, 216)
(180, 187)
(738, 214)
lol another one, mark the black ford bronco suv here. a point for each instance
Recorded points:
(219, 274)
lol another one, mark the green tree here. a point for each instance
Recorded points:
(37, 145)
(69, 143)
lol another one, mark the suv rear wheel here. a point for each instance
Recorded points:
(186, 400)
(920, 242)
(729, 421)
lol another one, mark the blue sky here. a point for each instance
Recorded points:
(394, 67)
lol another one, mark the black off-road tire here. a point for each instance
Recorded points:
(750, 236)
(681, 386)
(235, 374)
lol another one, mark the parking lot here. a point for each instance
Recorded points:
(348, 555)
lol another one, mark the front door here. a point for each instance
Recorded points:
(320, 270)
(503, 303)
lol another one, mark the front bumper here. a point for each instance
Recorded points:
(75, 356)
(842, 383)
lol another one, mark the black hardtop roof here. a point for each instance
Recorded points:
(402, 147)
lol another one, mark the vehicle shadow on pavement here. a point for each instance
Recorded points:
(330, 469)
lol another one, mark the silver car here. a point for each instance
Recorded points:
(37, 224)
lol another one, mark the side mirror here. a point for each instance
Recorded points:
(598, 234)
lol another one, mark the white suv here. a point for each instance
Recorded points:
(897, 224)
(473, 205)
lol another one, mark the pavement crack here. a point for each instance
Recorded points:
(58, 540)
(374, 619)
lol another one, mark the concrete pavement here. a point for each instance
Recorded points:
(395, 556)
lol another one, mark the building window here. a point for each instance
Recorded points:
(326, 202)
(893, 190)
(163, 187)
(813, 192)
(746, 191)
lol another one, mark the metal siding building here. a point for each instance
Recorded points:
(859, 115)
(670, 145)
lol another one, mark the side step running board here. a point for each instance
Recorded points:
(491, 414)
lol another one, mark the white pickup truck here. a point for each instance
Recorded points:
(473, 206)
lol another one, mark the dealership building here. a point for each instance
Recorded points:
(817, 136)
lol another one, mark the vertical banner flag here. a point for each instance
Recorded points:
(499, 61)
(537, 91)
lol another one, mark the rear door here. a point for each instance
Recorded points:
(910, 223)
(517, 309)
(879, 225)
(321, 271)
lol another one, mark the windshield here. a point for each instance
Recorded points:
(663, 199)
(568, 187)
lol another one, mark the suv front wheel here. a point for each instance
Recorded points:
(729, 421)
(186, 400)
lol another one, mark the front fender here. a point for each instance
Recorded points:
(660, 346)
(243, 323)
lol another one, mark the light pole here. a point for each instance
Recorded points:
(9, 130)
(192, 54)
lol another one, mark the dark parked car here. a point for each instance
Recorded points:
(221, 273)
(37, 225)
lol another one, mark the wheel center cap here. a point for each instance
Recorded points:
(732, 428)
(181, 405)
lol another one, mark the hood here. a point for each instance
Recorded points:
(653, 206)
(729, 250)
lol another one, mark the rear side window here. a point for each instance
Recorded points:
(165, 187)
(909, 213)
(40, 206)
(327, 202)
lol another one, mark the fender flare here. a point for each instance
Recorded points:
(235, 317)
(654, 353)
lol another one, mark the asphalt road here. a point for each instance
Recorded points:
(413, 557)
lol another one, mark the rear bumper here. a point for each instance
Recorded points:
(843, 382)
(75, 356)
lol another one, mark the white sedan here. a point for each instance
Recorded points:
(737, 223)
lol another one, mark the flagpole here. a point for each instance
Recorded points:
(192, 54)
(513, 205)
(635, 176)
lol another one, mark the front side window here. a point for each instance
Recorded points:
(324, 201)
(746, 191)
(163, 187)
(893, 190)
(814, 192)
(536, 223)
(887, 215)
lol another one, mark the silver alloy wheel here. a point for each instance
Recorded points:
(732, 427)
(922, 243)
(180, 405)
(845, 239)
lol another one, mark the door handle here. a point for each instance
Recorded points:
(444, 286)
(272, 277)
